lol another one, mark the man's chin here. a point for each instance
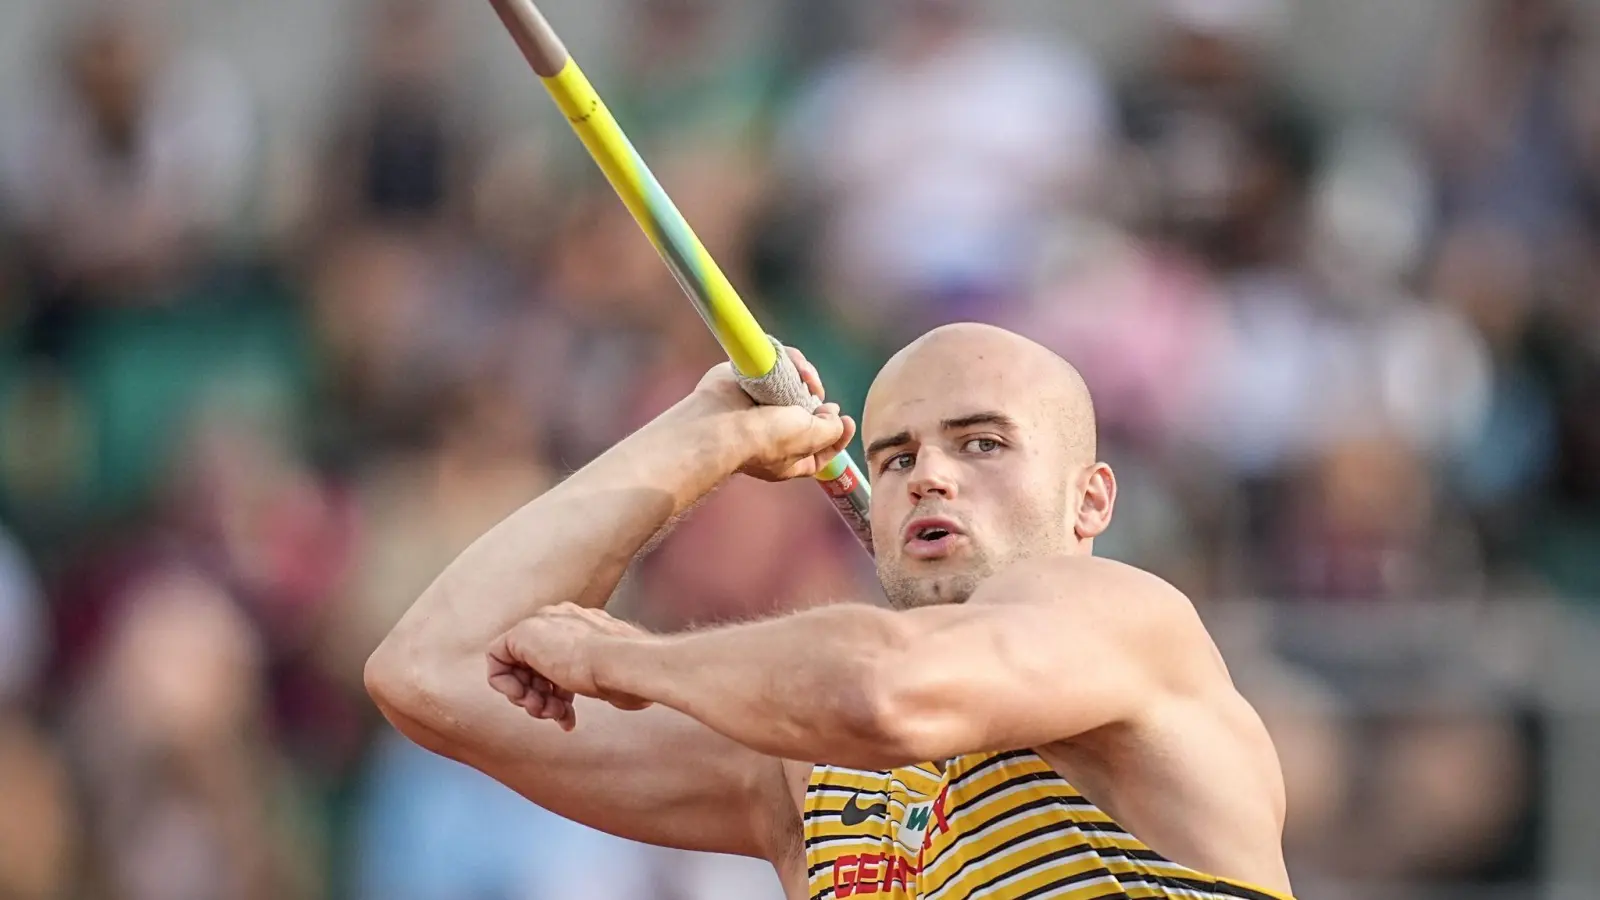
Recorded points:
(912, 593)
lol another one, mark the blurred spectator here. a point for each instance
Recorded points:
(778, 549)
(242, 503)
(1222, 151)
(929, 161)
(1366, 523)
(1412, 365)
(131, 170)
(1144, 323)
(38, 837)
(419, 508)
(1485, 271)
(1560, 543)
(398, 321)
(24, 633)
(1508, 115)
(129, 180)
(1509, 124)
(682, 79)
(1220, 169)
(1449, 791)
(185, 796)
(404, 303)
(240, 497)
(402, 154)
(40, 841)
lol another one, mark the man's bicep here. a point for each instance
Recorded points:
(655, 775)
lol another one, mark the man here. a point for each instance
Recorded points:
(1027, 721)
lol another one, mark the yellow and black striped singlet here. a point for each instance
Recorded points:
(992, 826)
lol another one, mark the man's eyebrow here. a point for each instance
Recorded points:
(982, 418)
(887, 443)
(989, 417)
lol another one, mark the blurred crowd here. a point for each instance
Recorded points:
(248, 411)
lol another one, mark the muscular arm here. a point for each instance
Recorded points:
(655, 775)
(1041, 653)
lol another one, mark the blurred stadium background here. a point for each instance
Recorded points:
(297, 297)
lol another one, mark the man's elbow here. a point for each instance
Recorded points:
(390, 682)
(385, 676)
(402, 687)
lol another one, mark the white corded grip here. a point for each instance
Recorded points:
(780, 387)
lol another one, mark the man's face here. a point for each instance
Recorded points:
(964, 483)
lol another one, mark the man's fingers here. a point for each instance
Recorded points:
(509, 678)
(536, 695)
(549, 706)
(808, 372)
(539, 704)
(832, 419)
(509, 684)
(799, 358)
(845, 439)
(848, 432)
(812, 381)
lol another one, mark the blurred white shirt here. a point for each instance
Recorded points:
(940, 171)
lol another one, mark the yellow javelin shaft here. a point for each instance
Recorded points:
(744, 341)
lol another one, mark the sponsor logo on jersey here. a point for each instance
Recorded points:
(871, 873)
(854, 814)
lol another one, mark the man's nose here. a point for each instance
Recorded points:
(933, 473)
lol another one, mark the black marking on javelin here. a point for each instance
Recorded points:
(594, 106)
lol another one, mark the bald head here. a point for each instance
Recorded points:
(1023, 376)
(981, 445)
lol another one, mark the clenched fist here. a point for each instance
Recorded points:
(547, 659)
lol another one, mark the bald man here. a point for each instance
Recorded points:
(1024, 721)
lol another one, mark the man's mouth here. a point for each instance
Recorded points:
(931, 537)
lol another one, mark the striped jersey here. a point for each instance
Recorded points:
(995, 826)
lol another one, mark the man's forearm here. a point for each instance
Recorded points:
(803, 687)
(574, 542)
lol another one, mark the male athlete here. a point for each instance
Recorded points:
(1027, 721)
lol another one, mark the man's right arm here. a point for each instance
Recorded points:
(653, 775)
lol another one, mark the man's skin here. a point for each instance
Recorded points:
(1007, 634)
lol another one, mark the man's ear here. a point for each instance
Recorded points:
(1096, 503)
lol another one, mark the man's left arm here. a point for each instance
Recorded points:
(1042, 652)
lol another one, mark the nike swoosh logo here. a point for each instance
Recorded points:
(855, 815)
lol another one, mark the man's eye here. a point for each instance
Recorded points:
(983, 445)
(893, 463)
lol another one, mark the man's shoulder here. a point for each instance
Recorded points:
(1119, 607)
(1086, 582)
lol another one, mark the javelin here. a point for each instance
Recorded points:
(766, 374)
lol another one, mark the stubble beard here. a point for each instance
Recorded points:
(1051, 535)
(913, 592)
